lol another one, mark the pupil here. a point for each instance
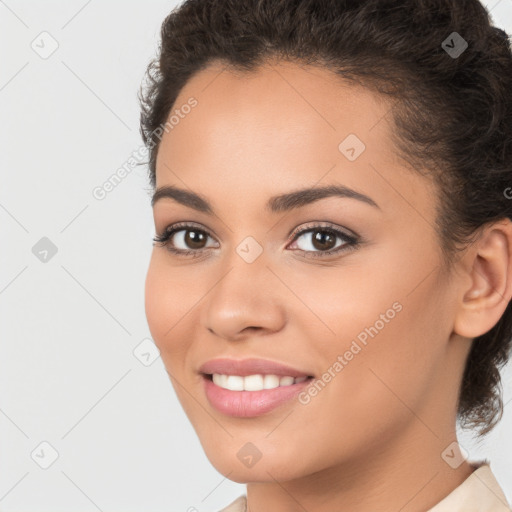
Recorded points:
(321, 236)
(192, 240)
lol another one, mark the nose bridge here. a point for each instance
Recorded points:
(243, 296)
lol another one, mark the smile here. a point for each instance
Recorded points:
(254, 400)
(256, 382)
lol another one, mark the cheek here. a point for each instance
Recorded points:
(387, 336)
(390, 351)
(166, 305)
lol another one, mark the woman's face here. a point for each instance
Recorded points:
(371, 322)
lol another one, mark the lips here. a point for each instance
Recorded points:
(251, 366)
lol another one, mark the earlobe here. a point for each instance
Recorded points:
(490, 263)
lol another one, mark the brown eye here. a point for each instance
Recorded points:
(184, 239)
(188, 240)
(321, 241)
(194, 239)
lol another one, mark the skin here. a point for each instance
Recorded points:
(372, 439)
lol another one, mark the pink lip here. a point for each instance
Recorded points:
(248, 404)
(252, 366)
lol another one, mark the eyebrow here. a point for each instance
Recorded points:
(276, 204)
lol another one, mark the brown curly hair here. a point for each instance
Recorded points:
(452, 113)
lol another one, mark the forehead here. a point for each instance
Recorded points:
(292, 101)
(283, 126)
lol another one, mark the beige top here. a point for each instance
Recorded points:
(480, 492)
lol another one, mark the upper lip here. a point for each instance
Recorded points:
(250, 366)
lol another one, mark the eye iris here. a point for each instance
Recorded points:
(321, 237)
(192, 240)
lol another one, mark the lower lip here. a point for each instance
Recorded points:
(248, 404)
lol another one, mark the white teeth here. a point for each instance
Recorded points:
(253, 382)
(272, 381)
(234, 383)
(286, 381)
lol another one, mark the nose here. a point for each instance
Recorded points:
(247, 301)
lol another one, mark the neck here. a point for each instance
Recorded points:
(408, 475)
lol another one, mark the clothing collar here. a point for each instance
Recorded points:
(480, 492)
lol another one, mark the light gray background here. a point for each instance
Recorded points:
(70, 325)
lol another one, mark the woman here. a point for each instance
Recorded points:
(331, 278)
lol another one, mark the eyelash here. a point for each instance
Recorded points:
(163, 239)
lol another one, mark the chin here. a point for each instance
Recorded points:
(266, 469)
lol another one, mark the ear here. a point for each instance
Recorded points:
(488, 269)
